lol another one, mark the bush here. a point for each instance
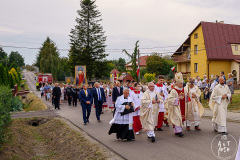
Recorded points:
(149, 76)
(16, 104)
(5, 107)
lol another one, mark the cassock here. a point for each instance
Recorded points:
(219, 107)
(176, 108)
(136, 96)
(122, 124)
(149, 112)
(160, 88)
(194, 109)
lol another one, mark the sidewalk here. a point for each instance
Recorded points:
(231, 116)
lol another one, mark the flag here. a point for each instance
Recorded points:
(173, 68)
(138, 71)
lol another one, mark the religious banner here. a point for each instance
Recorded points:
(80, 75)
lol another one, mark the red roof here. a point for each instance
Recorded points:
(142, 60)
(115, 70)
(218, 38)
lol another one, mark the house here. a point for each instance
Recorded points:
(125, 77)
(209, 49)
(143, 64)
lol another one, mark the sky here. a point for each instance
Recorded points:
(162, 25)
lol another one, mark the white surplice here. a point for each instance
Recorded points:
(136, 102)
(162, 89)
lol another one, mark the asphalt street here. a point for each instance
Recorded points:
(196, 145)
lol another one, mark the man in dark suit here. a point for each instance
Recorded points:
(56, 95)
(99, 98)
(86, 98)
(117, 92)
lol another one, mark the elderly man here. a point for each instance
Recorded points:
(176, 105)
(99, 97)
(194, 108)
(150, 105)
(122, 124)
(56, 95)
(219, 101)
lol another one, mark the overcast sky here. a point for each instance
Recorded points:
(155, 23)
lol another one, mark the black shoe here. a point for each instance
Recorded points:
(181, 134)
(85, 123)
(59, 108)
(153, 139)
(215, 130)
(159, 129)
(101, 112)
(224, 133)
(167, 125)
(87, 120)
(176, 134)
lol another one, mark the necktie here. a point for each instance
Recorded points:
(99, 95)
(118, 90)
(85, 92)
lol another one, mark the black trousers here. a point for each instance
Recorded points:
(98, 108)
(56, 102)
(69, 100)
(75, 101)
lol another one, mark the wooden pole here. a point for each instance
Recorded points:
(139, 65)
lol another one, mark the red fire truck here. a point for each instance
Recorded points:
(45, 78)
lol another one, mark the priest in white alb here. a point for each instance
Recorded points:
(194, 109)
(122, 122)
(219, 101)
(150, 104)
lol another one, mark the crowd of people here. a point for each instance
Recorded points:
(139, 106)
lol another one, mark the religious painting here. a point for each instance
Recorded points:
(80, 75)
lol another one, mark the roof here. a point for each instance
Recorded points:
(115, 70)
(142, 60)
(218, 38)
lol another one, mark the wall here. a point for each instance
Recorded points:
(235, 66)
(201, 57)
(216, 67)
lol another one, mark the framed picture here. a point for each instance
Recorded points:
(80, 75)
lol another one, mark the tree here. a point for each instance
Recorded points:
(11, 80)
(64, 70)
(149, 76)
(87, 40)
(6, 76)
(48, 59)
(3, 57)
(159, 65)
(2, 74)
(15, 57)
(120, 64)
(133, 57)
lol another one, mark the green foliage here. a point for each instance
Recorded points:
(143, 72)
(119, 64)
(149, 76)
(3, 57)
(1, 74)
(87, 40)
(16, 104)
(5, 107)
(48, 59)
(11, 81)
(15, 76)
(64, 70)
(171, 74)
(16, 58)
(159, 65)
(6, 76)
(133, 57)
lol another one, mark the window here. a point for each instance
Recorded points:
(188, 67)
(195, 36)
(195, 67)
(236, 47)
(195, 49)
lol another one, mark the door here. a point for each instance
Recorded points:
(45, 79)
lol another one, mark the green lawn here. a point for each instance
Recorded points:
(234, 106)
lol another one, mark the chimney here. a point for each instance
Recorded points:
(221, 22)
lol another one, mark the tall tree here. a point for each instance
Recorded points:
(3, 57)
(48, 58)
(17, 58)
(133, 57)
(87, 40)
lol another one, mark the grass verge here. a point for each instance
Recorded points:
(34, 103)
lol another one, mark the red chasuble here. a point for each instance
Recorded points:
(182, 103)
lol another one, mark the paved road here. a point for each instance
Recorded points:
(194, 146)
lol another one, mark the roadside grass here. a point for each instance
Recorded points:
(52, 139)
(34, 103)
(233, 106)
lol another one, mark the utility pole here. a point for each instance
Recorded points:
(139, 65)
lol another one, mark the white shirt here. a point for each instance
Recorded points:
(98, 90)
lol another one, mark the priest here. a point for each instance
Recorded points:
(194, 109)
(219, 101)
(176, 105)
(150, 104)
(162, 90)
(122, 122)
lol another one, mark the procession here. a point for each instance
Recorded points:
(138, 108)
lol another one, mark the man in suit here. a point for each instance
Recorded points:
(117, 92)
(99, 98)
(56, 95)
(86, 98)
